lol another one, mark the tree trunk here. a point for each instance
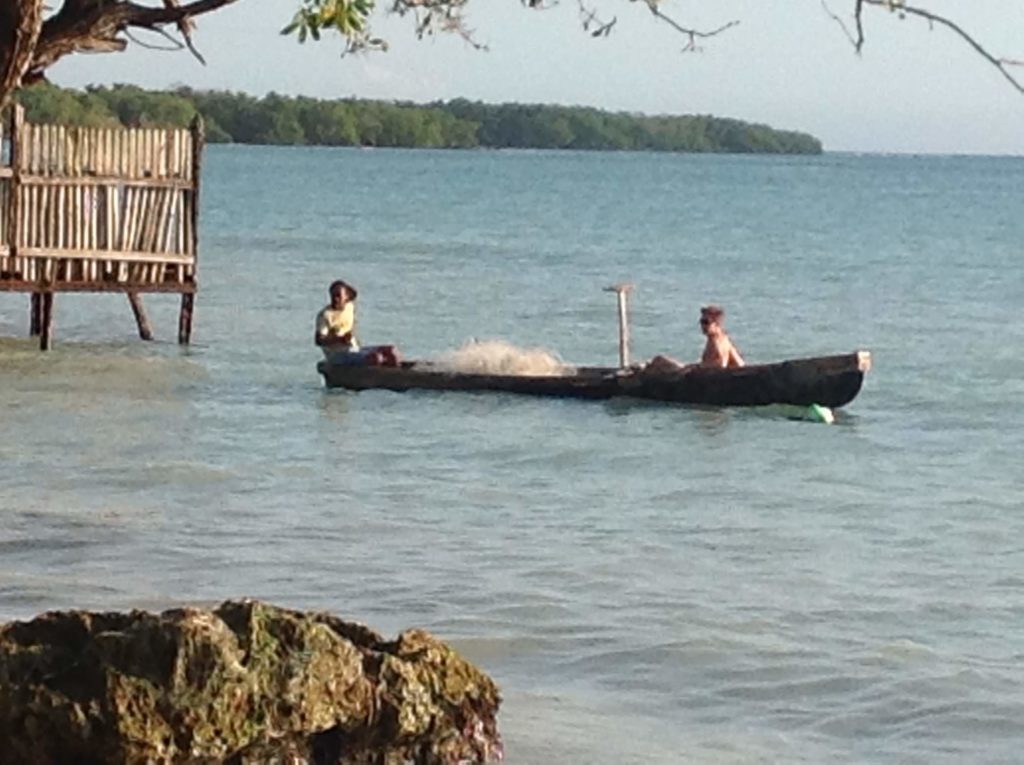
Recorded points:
(22, 21)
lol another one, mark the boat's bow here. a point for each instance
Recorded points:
(831, 381)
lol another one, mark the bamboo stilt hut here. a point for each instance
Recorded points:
(99, 210)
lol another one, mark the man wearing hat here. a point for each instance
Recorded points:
(336, 323)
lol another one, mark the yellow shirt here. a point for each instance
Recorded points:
(332, 323)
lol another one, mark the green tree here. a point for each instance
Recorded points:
(48, 103)
(134, 106)
(277, 119)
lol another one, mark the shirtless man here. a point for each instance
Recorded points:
(719, 351)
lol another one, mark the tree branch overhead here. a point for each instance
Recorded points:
(95, 26)
(32, 38)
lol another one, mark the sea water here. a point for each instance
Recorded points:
(647, 583)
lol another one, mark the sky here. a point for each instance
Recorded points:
(787, 64)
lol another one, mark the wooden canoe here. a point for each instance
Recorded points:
(831, 381)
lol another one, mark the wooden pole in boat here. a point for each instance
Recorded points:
(622, 291)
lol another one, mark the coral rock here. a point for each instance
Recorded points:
(245, 683)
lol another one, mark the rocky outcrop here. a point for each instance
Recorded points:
(245, 683)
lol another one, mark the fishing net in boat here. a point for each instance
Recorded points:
(496, 357)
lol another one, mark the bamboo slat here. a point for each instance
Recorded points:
(149, 221)
(142, 224)
(69, 217)
(114, 160)
(162, 165)
(115, 257)
(176, 170)
(44, 150)
(97, 216)
(36, 156)
(124, 218)
(95, 145)
(72, 217)
(136, 153)
(138, 141)
(50, 218)
(155, 243)
(107, 180)
(78, 219)
(84, 218)
(64, 217)
(134, 218)
(107, 164)
(84, 147)
(40, 214)
(180, 200)
(125, 158)
(37, 216)
(55, 151)
(4, 197)
(155, 219)
(88, 218)
(128, 153)
(131, 196)
(74, 214)
(73, 150)
(140, 157)
(92, 198)
(124, 153)
(23, 142)
(34, 222)
(166, 244)
(112, 202)
(146, 219)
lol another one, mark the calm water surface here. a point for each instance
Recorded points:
(648, 584)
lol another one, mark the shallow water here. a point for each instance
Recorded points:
(647, 583)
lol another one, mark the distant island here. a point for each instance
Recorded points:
(456, 124)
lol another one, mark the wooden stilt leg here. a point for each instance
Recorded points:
(145, 332)
(46, 320)
(185, 319)
(34, 317)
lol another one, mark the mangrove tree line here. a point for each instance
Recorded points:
(283, 120)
